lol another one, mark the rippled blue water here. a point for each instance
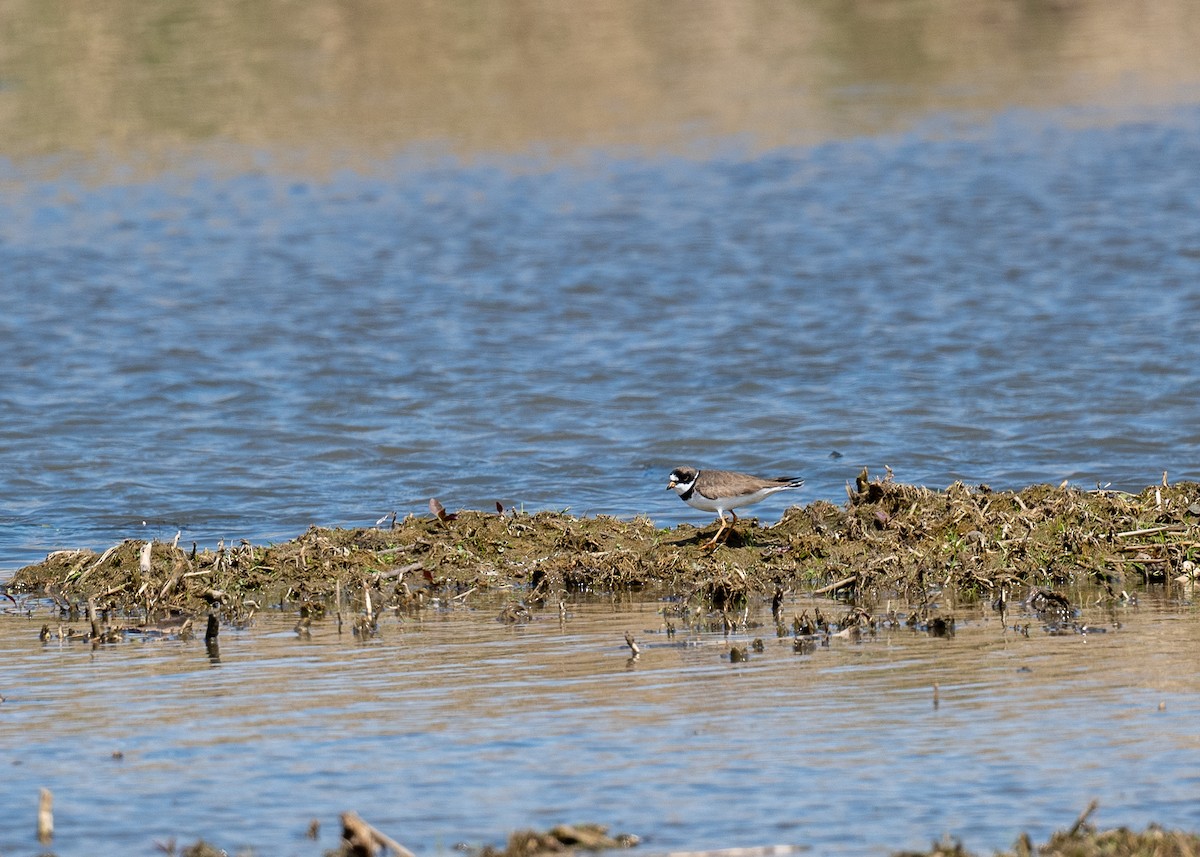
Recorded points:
(242, 355)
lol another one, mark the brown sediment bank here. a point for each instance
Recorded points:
(889, 540)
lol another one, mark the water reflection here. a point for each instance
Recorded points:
(329, 85)
(454, 726)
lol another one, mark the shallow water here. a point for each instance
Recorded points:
(454, 727)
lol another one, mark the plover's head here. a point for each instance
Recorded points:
(682, 478)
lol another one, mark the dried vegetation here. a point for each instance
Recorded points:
(1082, 839)
(888, 540)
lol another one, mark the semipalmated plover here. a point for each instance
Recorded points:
(722, 491)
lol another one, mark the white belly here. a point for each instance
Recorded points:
(699, 501)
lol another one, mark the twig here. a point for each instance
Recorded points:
(364, 839)
(841, 584)
(1091, 807)
(103, 557)
(398, 572)
(170, 585)
(1170, 528)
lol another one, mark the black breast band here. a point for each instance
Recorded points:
(687, 495)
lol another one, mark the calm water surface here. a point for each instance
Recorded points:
(454, 728)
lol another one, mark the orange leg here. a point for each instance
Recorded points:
(723, 533)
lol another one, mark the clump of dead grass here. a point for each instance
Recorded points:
(1083, 839)
(888, 539)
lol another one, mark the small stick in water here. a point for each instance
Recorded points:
(91, 612)
(45, 817)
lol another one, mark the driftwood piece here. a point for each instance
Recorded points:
(362, 840)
